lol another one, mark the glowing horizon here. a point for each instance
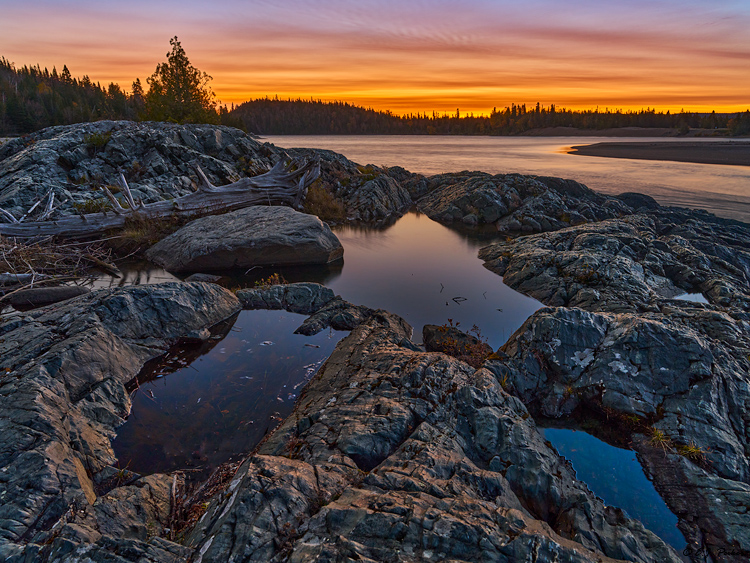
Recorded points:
(416, 57)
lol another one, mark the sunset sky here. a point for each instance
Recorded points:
(408, 56)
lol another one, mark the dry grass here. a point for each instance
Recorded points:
(323, 203)
(48, 261)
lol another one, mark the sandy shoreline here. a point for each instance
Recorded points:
(734, 153)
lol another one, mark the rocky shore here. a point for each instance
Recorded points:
(393, 453)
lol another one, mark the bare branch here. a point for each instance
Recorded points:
(118, 209)
(50, 206)
(8, 216)
(285, 184)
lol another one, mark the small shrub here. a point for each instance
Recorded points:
(97, 141)
(324, 204)
(273, 279)
(140, 232)
(97, 205)
(692, 452)
(660, 439)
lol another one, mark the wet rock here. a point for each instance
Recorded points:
(40, 296)
(515, 203)
(63, 371)
(337, 314)
(625, 265)
(304, 298)
(396, 452)
(255, 236)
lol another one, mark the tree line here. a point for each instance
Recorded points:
(315, 117)
(32, 98)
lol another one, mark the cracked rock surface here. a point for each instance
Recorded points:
(63, 371)
(617, 351)
(396, 454)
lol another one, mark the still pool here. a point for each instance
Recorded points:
(615, 475)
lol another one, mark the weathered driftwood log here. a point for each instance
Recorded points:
(283, 184)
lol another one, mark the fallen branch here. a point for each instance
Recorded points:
(283, 184)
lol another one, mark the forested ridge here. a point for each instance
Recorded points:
(32, 98)
(314, 117)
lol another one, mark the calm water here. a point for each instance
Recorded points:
(723, 190)
(198, 412)
(615, 475)
(416, 268)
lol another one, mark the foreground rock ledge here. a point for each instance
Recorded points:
(398, 455)
(63, 370)
(256, 236)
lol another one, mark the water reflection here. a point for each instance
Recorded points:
(413, 268)
(615, 475)
(417, 267)
(693, 297)
(223, 396)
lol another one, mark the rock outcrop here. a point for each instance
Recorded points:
(626, 265)
(156, 158)
(325, 308)
(671, 377)
(397, 454)
(255, 236)
(63, 371)
(515, 203)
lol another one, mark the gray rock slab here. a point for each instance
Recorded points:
(63, 371)
(40, 296)
(395, 453)
(256, 236)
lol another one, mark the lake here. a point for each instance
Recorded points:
(723, 190)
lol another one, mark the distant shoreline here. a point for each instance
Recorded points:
(701, 152)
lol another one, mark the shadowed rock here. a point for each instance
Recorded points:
(63, 372)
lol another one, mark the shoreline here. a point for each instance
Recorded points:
(730, 153)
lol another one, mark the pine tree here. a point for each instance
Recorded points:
(179, 92)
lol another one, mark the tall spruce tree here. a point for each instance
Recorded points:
(179, 92)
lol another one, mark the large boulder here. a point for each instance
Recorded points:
(255, 236)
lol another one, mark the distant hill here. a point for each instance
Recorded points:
(309, 117)
(32, 98)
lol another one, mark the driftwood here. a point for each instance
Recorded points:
(283, 184)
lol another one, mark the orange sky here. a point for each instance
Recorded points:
(409, 56)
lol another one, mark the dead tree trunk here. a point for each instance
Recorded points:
(283, 184)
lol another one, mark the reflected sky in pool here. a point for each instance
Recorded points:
(222, 403)
(616, 476)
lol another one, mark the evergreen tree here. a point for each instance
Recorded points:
(179, 92)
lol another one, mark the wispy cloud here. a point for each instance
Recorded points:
(420, 55)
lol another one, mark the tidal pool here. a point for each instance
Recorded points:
(200, 405)
(205, 404)
(616, 476)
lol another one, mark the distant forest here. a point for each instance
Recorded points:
(32, 98)
(309, 117)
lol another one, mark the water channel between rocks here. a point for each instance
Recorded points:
(225, 395)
